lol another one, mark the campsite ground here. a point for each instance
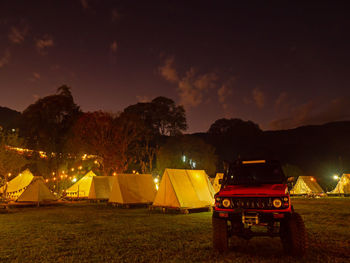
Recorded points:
(99, 233)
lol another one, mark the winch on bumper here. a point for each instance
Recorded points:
(250, 218)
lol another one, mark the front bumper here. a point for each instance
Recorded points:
(263, 217)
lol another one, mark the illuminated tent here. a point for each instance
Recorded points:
(343, 186)
(17, 185)
(184, 189)
(81, 188)
(101, 187)
(133, 189)
(216, 184)
(36, 191)
(306, 185)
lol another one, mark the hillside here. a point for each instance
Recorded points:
(318, 150)
(9, 118)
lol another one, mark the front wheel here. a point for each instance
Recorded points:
(220, 235)
(293, 235)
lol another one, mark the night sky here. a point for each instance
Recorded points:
(280, 64)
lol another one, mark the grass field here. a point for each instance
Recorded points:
(99, 233)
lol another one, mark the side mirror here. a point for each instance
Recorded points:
(220, 181)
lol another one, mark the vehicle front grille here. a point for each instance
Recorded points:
(251, 203)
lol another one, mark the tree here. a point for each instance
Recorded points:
(169, 119)
(235, 127)
(11, 162)
(147, 150)
(45, 123)
(161, 116)
(111, 137)
(187, 152)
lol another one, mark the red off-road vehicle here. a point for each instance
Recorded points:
(255, 193)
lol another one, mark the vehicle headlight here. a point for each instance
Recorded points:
(277, 202)
(226, 202)
(217, 199)
(285, 199)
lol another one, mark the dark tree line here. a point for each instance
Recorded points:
(133, 139)
(148, 137)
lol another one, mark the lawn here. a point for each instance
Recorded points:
(99, 233)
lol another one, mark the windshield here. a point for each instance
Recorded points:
(255, 174)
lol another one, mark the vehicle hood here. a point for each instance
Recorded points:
(262, 189)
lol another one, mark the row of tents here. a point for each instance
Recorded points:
(178, 188)
(28, 188)
(305, 185)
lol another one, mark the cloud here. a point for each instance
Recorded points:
(225, 91)
(35, 77)
(5, 59)
(168, 70)
(143, 99)
(193, 86)
(115, 15)
(283, 103)
(258, 98)
(44, 43)
(84, 4)
(55, 67)
(17, 35)
(114, 46)
(315, 112)
(281, 100)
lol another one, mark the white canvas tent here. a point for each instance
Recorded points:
(101, 187)
(343, 186)
(81, 188)
(17, 185)
(36, 192)
(133, 189)
(184, 189)
(306, 185)
(216, 184)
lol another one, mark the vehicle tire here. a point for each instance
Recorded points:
(293, 235)
(220, 235)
